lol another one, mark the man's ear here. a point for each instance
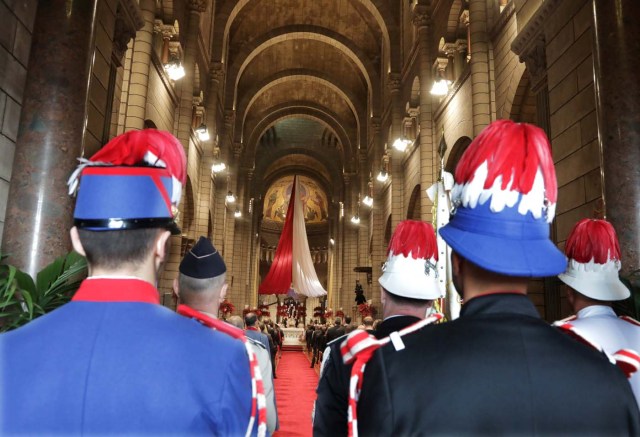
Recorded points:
(161, 246)
(75, 241)
(176, 288)
(383, 295)
(457, 263)
(223, 291)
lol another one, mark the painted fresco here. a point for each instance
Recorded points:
(314, 200)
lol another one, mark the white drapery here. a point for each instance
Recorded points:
(304, 278)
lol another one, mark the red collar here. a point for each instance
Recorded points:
(116, 290)
(210, 322)
(252, 328)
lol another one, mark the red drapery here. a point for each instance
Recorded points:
(278, 280)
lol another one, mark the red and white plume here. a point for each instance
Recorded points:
(411, 266)
(594, 261)
(593, 246)
(505, 161)
(151, 147)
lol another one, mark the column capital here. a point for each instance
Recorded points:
(394, 83)
(464, 17)
(229, 117)
(421, 16)
(534, 57)
(237, 149)
(217, 72)
(128, 21)
(375, 125)
(168, 31)
(197, 5)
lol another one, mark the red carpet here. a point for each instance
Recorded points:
(295, 394)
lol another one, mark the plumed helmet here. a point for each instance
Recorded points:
(504, 199)
(410, 269)
(594, 261)
(134, 181)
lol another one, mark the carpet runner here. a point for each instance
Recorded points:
(295, 387)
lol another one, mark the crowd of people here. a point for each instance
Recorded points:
(114, 361)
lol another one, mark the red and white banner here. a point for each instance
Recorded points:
(292, 266)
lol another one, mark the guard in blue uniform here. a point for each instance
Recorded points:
(114, 361)
(498, 369)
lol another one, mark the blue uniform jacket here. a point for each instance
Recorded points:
(113, 361)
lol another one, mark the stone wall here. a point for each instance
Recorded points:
(573, 116)
(16, 28)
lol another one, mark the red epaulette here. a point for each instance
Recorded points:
(630, 320)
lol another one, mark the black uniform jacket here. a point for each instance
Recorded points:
(334, 332)
(333, 388)
(498, 369)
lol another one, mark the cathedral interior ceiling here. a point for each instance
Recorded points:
(314, 66)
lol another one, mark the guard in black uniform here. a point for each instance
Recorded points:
(498, 369)
(406, 296)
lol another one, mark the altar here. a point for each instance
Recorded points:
(292, 336)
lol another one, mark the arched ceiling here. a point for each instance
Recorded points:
(303, 78)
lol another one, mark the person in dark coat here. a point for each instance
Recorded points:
(498, 369)
(337, 330)
(253, 331)
(407, 294)
(113, 361)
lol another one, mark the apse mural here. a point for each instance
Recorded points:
(312, 196)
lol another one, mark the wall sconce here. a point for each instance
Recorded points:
(368, 199)
(383, 175)
(332, 241)
(230, 197)
(218, 166)
(441, 85)
(203, 132)
(401, 144)
(355, 219)
(174, 67)
(237, 214)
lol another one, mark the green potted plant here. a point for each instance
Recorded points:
(22, 299)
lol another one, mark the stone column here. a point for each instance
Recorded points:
(421, 21)
(396, 171)
(185, 109)
(480, 47)
(616, 45)
(141, 60)
(378, 250)
(50, 136)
